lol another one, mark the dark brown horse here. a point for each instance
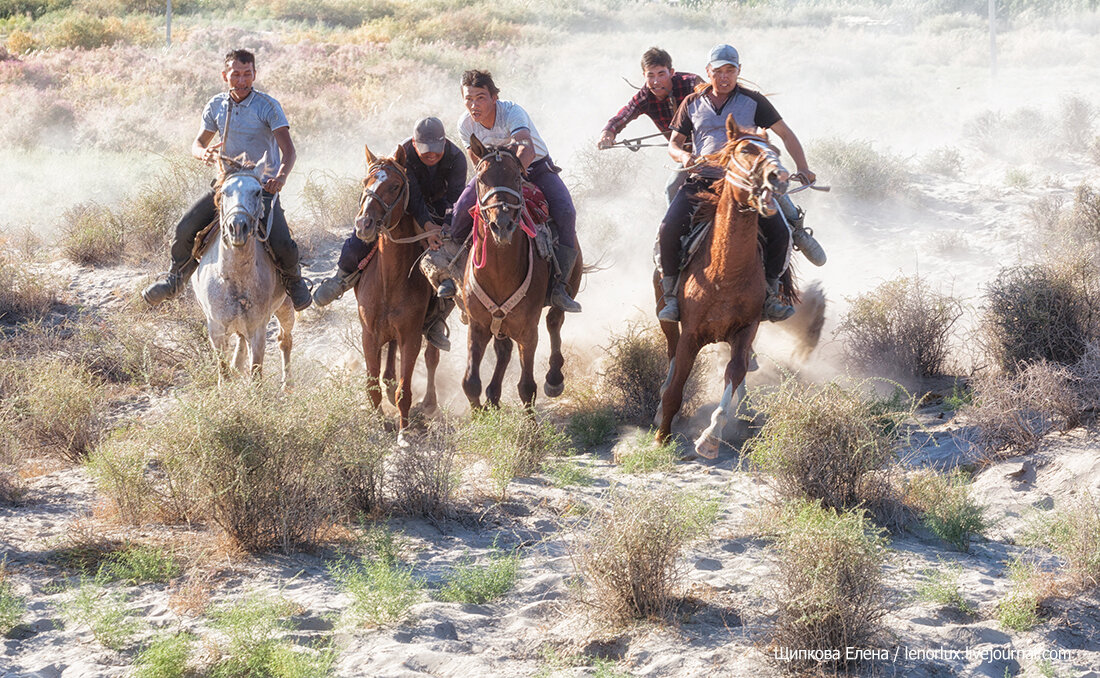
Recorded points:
(391, 293)
(723, 288)
(506, 282)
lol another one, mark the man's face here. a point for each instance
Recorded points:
(479, 103)
(659, 81)
(239, 77)
(427, 157)
(724, 78)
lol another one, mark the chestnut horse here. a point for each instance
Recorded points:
(723, 288)
(391, 293)
(506, 282)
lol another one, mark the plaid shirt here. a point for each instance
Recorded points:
(661, 112)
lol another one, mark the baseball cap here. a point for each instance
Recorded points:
(429, 136)
(720, 55)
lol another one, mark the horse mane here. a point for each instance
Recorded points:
(236, 166)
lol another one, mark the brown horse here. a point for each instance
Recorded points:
(391, 294)
(723, 286)
(506, 282)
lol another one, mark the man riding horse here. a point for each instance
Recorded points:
(437, 175)
(251, 124)
(499, 123)
(659, 98)
(703, 116)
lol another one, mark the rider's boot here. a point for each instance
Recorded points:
(333, 288)
(671, 311)
(297, 289)
(446, 289)
(436, 331)
(802, 237)
(774, 308)
(170, 285)
(559, 298)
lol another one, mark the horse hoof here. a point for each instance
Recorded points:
(401, 442)
(428, 409)
(707, 448)
(552, 390)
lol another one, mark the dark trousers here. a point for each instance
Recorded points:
(353, 251)
(541, 174)
(677, 223)
(204, 211)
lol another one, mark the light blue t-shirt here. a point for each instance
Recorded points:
(251, 127)
(510, 119)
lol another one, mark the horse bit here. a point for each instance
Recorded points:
(483, 200)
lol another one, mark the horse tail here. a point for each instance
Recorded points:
(806, 324)
(788, 291)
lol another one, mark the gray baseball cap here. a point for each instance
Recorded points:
(720, 55)
(429, 137)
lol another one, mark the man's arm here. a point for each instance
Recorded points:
(794, 148)
(620, 120)
(288, 156)
(200, 149)
(526, 152)
(676, 149)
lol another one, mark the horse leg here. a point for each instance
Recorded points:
(430, 405)
(390, 377)
(672, 394)
(706, 445)
(285, 315)
(410, 349)
(222, 348)
(471, 382)
(372, 356)
(503, 350)
(555, 380)
(257, 344)
(527, 385)
(240, 354)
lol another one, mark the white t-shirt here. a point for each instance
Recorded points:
(510, 119)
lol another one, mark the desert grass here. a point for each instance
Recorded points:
(330, 203)
(58, 405)
(139, 564)
(1019, 609)
(23, 295)
(628, 551)
(104, 612)
(901, 328)
(859, 170)
(164, 656)
(1071, 532)
(946, 506)
(567, 473)
(148, 216)
(511, 441)
(827, 442)
(12, 606)
(476, 583)
(424, 476)
(592, 420)
(829, 592)
(634, 369)
(643, 454)
(92, 235)
(940, 585)
(382, 590)
(253, 631)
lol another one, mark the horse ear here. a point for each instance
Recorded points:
(399, 155)
(476, 147)
(370, 156)
(733, 130)
(261, 165)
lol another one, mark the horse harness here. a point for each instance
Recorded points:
(206, 235)
(739, 176)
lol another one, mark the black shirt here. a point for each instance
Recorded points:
(433, 191)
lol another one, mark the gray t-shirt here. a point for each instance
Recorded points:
(510, 119)
(706, 127)
(251, 127)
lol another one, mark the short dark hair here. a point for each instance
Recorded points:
(483, 79)
(654, 57)
(241, 55)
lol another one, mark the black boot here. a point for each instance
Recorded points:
(170, 285)
(435, 329)
(774, 308)
(333, 288)
(297, 289)
(559, 298)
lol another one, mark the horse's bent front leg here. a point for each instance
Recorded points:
(503, 350)
(430, 403)
(672, 395)
(390, 377)
(285, 315)
(555, 380)
(471, 382)
(706, 445)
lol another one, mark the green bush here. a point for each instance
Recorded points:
(566, 472)
(1073, 533)
(476, 584)
(138, 565)
(643, 455)
(830, 592)
(857, 169)
(164, 657)
(254, 644)
(947, 507)
(86, 31)
(382, 590)
(940, 585)
(104, 612)
(12, 607)
(901, 328)
(591, 421)
(511, 441)
(1019, 610)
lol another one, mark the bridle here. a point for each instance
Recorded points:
(739, 176)
(494, 197)
(239, 208)
(388, 210)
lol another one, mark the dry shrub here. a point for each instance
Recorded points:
(1011, 412)
(1072, 532)
(85, 31)
(830, 593)
(331, 203)
(857, 169)
(946, 506)
(512, 441)
(634, 371)
(1046, 311)
(58, 405)
(827, 443)
(1077, 116)
(149, 216)
(92, 235)
(348, 13)
(629, 552)
(900, 328)
(424, 477)
(270, 469)
(23, 295)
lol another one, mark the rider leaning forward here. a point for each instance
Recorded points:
(659, 98)
(437, 175)
(702, 116)
(496, 122)
(252, 124)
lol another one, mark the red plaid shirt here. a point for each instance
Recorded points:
(661, 112)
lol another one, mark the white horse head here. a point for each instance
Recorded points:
(241, 203)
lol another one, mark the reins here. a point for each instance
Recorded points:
(388, 222)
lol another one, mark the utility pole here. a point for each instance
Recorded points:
(168, 24)
(992, 38)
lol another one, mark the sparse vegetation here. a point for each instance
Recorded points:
(628, 552)
(1072, 532)
(23, 295)
(58, 406)
(1019, 610)
(859, 170)
(254, 644)
(511, 441)
(902, 328)
(940, 585)
(566, 472)
(643, 454)
(104, 612)
(946, 161)
(591, 421)
(946, 506)
(382, 590)
(635, 369)
(472, 583)
(139, 564)
(12, 607)
(425, 477)
(93, 235)
(164, 657)
(830, 592)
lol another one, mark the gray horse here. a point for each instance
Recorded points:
(237, 284)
